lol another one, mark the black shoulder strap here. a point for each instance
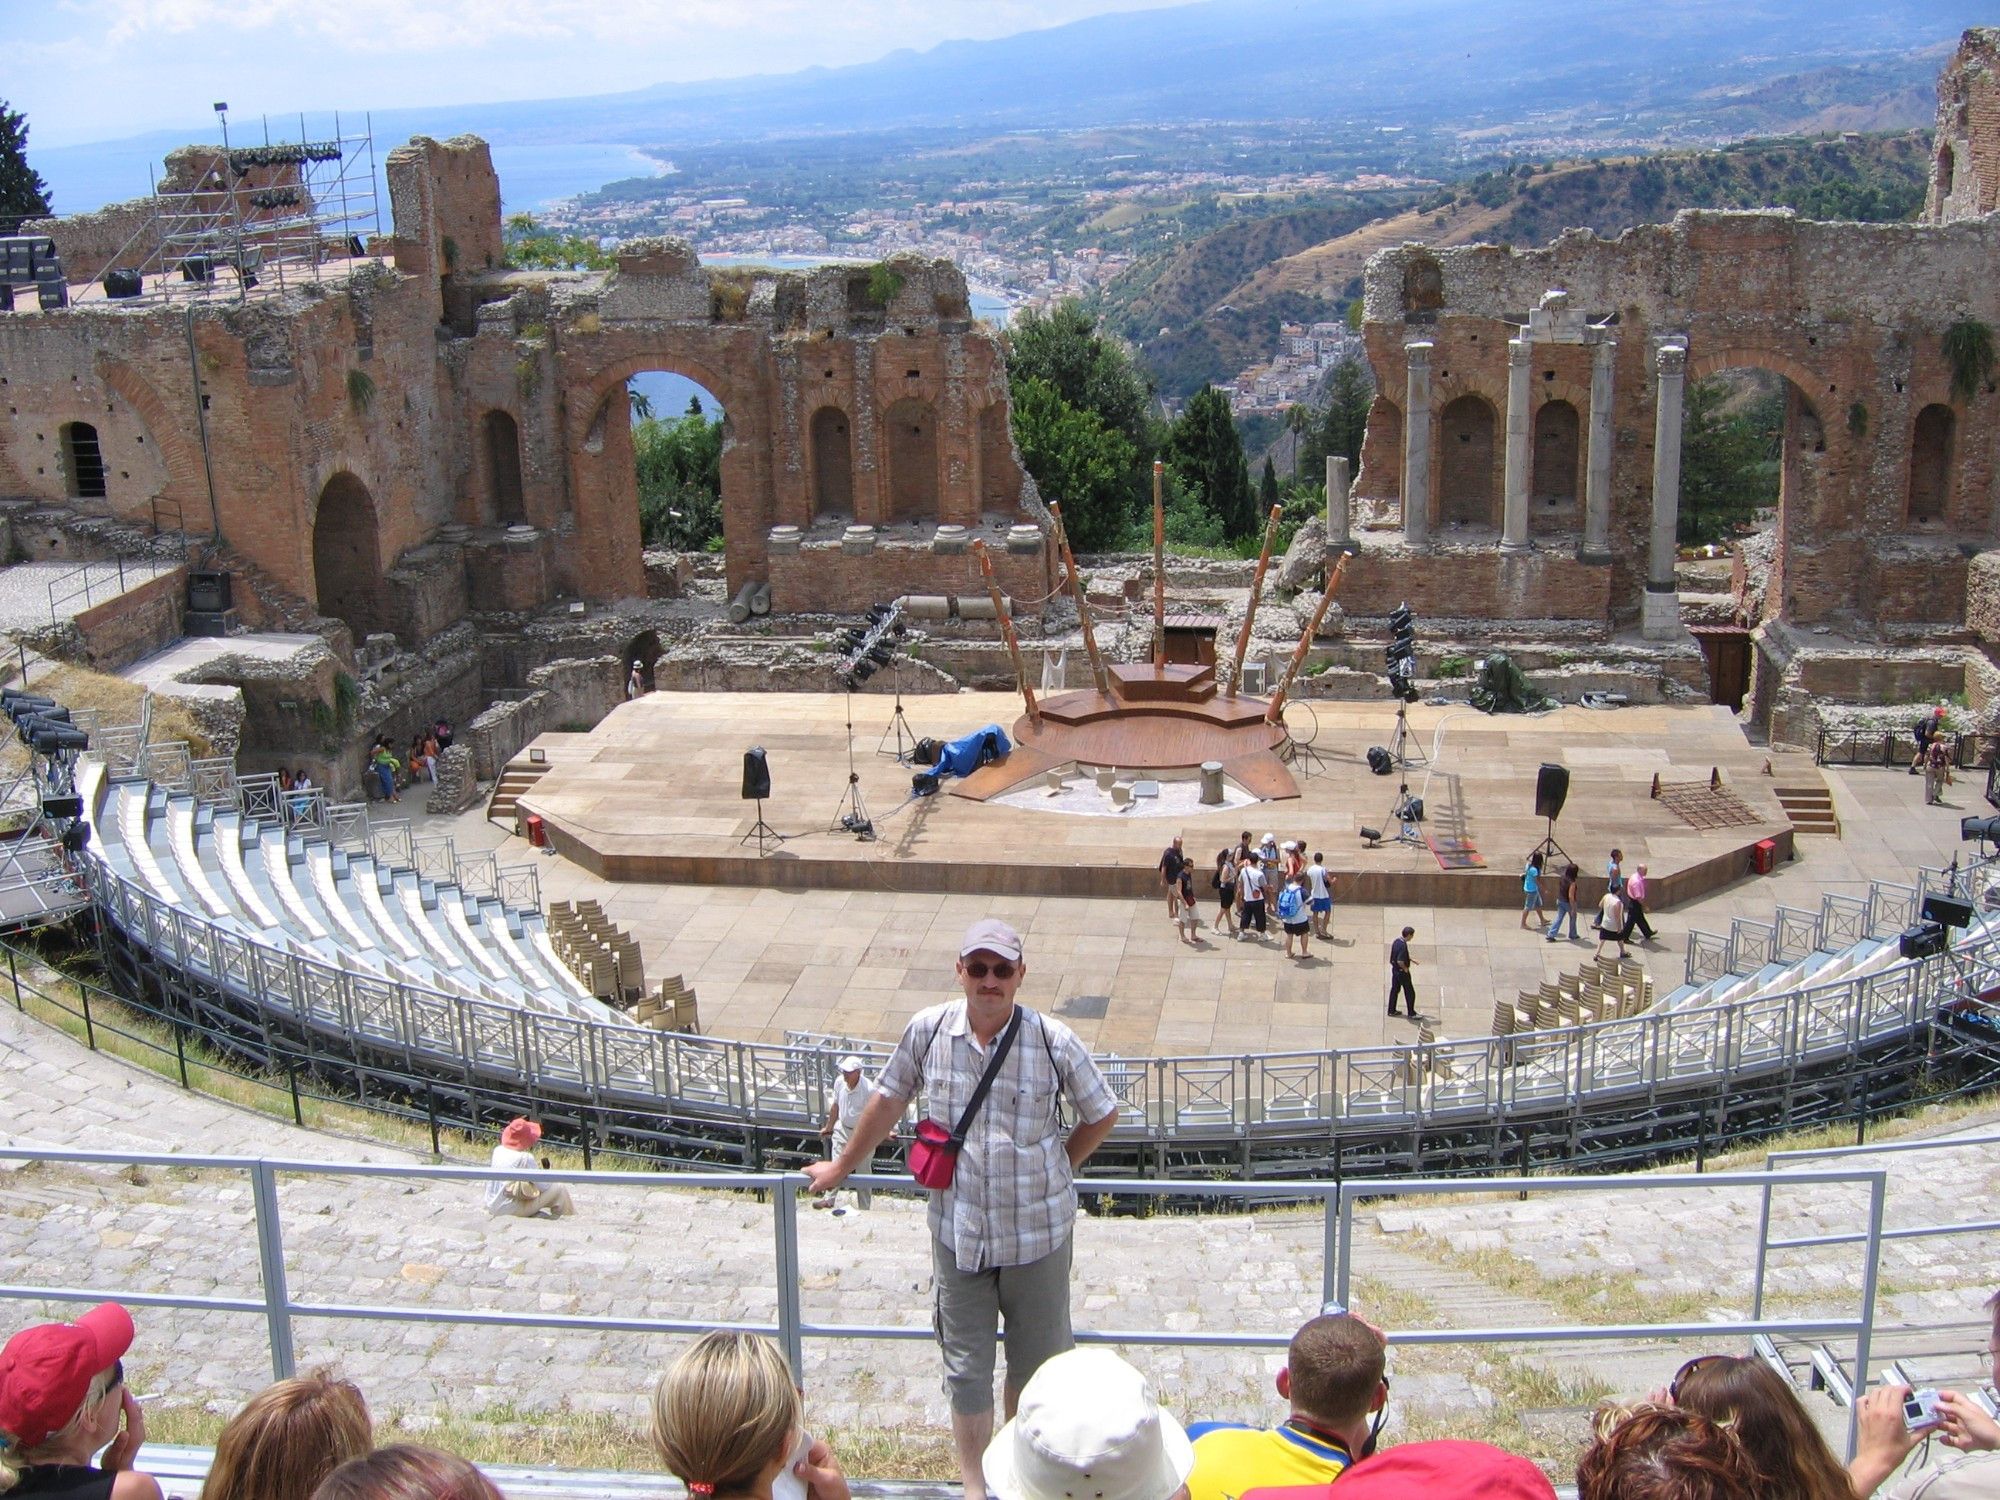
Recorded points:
(986, 1079)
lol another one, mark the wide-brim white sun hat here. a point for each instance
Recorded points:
(1088, 1428)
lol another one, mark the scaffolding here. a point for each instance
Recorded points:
(272, 215)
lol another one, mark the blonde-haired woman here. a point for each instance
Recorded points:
(289, 1437)
(727, 1419)
(62, 1398)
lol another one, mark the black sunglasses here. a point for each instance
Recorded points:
(1674, 1389)
(978, 970)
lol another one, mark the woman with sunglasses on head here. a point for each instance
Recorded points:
(1748, 1397)
(62, 1399)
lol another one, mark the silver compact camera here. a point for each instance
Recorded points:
(1921, 1411)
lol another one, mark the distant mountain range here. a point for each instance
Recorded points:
(1703, 66)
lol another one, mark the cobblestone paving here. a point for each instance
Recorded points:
(664, 1252)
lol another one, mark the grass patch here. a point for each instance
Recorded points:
(1588, 1297)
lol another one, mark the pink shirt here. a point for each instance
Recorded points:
(1635, 887)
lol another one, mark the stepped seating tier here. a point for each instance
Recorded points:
(296, 891)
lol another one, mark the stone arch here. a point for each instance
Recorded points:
(832, 463)
(1931, 438)
(179, 457)
(1467, 491)
(642, 652)
(911, 439)
(1947, 171)
(1381, 476)
(82, 461)
(347, 556)
(501, 441)
(1557, 464)
(1809, 384)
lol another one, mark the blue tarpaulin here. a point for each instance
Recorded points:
(961, 757)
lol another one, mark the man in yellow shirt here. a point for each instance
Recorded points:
(1334, 1379)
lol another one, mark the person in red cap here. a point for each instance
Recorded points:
(1000, 1221)
(524, 1198)
(63, 1398)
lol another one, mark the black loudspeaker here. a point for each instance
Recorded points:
(208, 592)
(1551, 790)
(1925, 940)
(1946, 911)
(1380, 761)
(925, 784)
(927, 752)
(123, 282)
(756, 775)
(1372, 835)
(62, 807)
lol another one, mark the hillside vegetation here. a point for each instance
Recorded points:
(1200, 312)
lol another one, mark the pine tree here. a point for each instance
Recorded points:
(1206, 452)
(23, 194)
(1267, 487)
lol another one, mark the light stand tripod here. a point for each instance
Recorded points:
(899, 725)
(1549, 849)
(763, 833)
(1408, 811)
(852, 814)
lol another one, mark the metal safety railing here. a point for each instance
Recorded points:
(791, 1327)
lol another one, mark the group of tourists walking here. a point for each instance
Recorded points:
(1251, 884)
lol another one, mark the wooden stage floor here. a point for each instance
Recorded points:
(652, 795)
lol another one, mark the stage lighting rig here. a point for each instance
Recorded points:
(870, 649)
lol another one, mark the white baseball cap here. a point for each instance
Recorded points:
(991, 936)
(849, 1064)
(1088, 1428)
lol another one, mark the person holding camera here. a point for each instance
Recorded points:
(999, 1167)
(524, 1199)
(1894, 1419)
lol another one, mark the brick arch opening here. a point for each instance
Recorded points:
(347, 556)
(1947, 171)
(832, 463)
(505, 500)
(910, 427)
(641, 654)
(1467, 491)
(1751, 439)
(1930, 465)
(1557, 467)
(82, 461)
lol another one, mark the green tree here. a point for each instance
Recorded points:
(1203, 448)
(23, 194)
(1267, 487)
(1337, 426)
(1730, 454)
(679, 467)
(1093, 373)
(1077, 461)
(530, 247)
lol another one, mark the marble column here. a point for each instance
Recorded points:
(1417, 447)
(1339, 522)
(1662, 616)
(1597, 463)
(1520, 423)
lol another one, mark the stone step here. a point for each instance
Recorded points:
(1810, 807)
(516, 777)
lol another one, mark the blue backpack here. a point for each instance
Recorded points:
(1291, 904)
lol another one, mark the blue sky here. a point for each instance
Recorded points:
(88, 70)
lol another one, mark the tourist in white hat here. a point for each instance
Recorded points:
(850, 1098)
(992, 1151)
(1089, 1426)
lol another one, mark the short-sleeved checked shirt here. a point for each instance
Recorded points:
(1011, 1201)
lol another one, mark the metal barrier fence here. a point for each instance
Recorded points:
(1892, 747)
(278, 1307)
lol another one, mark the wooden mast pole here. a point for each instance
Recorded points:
(1277, 706)
(1007, 632)
(1256, 593)
(1097, 672)
(1159, 569)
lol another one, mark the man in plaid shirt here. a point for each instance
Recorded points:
(1000, 1234)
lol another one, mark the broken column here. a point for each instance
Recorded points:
(1338, 513)
(1597, 466)
(1417, 447)
(1514, 504)
(1662, 614)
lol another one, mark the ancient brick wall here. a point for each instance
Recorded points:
(347, 422)
(1851, 315)
(1965, 160)
(1485, 585)
(819, 579)
(137, 623)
